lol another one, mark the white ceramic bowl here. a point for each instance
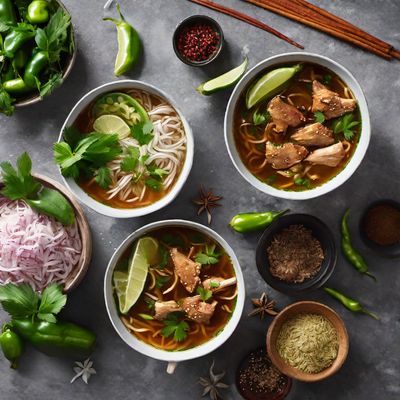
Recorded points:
(131, 212)
(358, 155)
(150, 351)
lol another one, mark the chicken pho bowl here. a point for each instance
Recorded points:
(174, 290)
(297, 125)
(125, 150)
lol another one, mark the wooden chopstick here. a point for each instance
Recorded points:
(246, 18)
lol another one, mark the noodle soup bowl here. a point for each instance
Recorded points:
(360, 150)
(103, 208)
(172, 357)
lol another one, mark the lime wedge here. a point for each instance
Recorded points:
(223, 81)
(120, 280)
(144, 255)
(270, 84)
(112, 124)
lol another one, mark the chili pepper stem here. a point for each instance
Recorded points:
(370, 314)
(371, 276)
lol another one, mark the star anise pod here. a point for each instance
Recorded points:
(207, 201)
(212, 384)
(262, 306)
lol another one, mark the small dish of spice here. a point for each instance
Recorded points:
(258, 379)
(198, 40)
(380, 227)
(296, 254)
(307, 341)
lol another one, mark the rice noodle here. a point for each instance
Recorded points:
(166, 150)
(35, 248)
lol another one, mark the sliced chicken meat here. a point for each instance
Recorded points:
(216, 284)
(330, 156)
(187, 270)
(163, 308)
(329, 103)
(284, 115)
(284, 156)
(314, 135)
(198, 310)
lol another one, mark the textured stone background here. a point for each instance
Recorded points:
(373, 366)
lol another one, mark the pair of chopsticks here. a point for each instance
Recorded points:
(246, 18)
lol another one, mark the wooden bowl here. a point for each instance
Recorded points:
(309, 307)
(84, 231)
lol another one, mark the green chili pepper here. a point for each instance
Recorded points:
(351, 254)
(246, 222)
(16, 39)
(128, 45)
(20, 59)
(12, 346)
(56, 339)
(38, 12)
(350, 304)
(16, 86)
(7, 12)
(34, 67)
(8, 74)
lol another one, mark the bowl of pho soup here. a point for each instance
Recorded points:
(125, 150)
(297, 126)
(174, 291)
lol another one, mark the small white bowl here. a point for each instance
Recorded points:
(355, 160)
(139, 211)
(172, 357)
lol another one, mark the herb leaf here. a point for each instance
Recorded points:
(130, 161)
(214, 285)
(6, 101)
(153, 184)
(20, 301)
(327, 79)
(156, 172)
(161, 281)
(53, 300)
(271, 179)
(303, 182)
(164, 257)
(52, 84)
(103, 177)
(260, 118)
(204, 294)
(208, 256)
(175, 325)
(345, 125)
(319, 117)
(143, 132)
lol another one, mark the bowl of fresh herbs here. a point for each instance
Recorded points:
(38, 51)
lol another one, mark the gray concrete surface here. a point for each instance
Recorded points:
(373, 366)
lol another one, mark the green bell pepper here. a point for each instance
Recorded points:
(7, 12)
(38, 12)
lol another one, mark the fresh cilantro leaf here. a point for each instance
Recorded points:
(271, 179)
(303, 182)
(161, 281)
(319, 117)
(20, 301)
(345, 125)
(142, 132)
(103, 177)
(260, 118)
(153, 184)
(54, 82)
(327, 79)
(6, 103)
(204, 294)
(156, 172)
(214, 285)
(175, 325)
(208, 256)
(144, 158)
(130, 160)
(164, 257)
(52, 301)
(149, 303)
(63, 156)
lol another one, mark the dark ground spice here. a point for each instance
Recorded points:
(295, 254)
(382, 224)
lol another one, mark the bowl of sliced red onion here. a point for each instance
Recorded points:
(39, 250)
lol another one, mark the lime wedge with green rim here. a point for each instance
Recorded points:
(144, 255)
(270, 84)
(120, 280)
(223, 81)
(109, 123)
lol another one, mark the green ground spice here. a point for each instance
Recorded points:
(308, 342)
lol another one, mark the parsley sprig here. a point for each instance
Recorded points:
(175, 325)
(208, 255)
(21, 301)
(345, 125)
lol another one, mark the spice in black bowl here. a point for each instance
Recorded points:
(198, 40)
(258, 379)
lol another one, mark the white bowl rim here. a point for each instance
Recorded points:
(187, 166)
(362, 145)
(153, 352)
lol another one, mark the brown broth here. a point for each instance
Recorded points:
(84, 123)
(198, 333)
(268, 174)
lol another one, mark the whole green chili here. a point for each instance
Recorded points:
(11, 345)
(245, 222)
(7, 12)
(128, 44)
(55, 339)
(38, 12)
(16, 39)
(350, 304)
(15, 86)
(34, 67)
(351, 254)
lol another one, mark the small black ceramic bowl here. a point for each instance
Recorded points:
(191, 21)
(389, 251)
(320, 231)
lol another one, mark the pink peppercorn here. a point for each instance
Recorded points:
(198, 42)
